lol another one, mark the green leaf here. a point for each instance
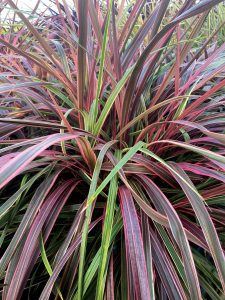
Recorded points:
(102, 61)
(110, 101)
(88, 215)
(10, 202)
(114, 171)
(106, 237)
(47, 265)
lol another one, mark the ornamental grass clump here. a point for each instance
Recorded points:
(112, 166)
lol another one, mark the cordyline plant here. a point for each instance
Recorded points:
(112, 150)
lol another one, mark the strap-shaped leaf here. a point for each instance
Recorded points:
(134, 244)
